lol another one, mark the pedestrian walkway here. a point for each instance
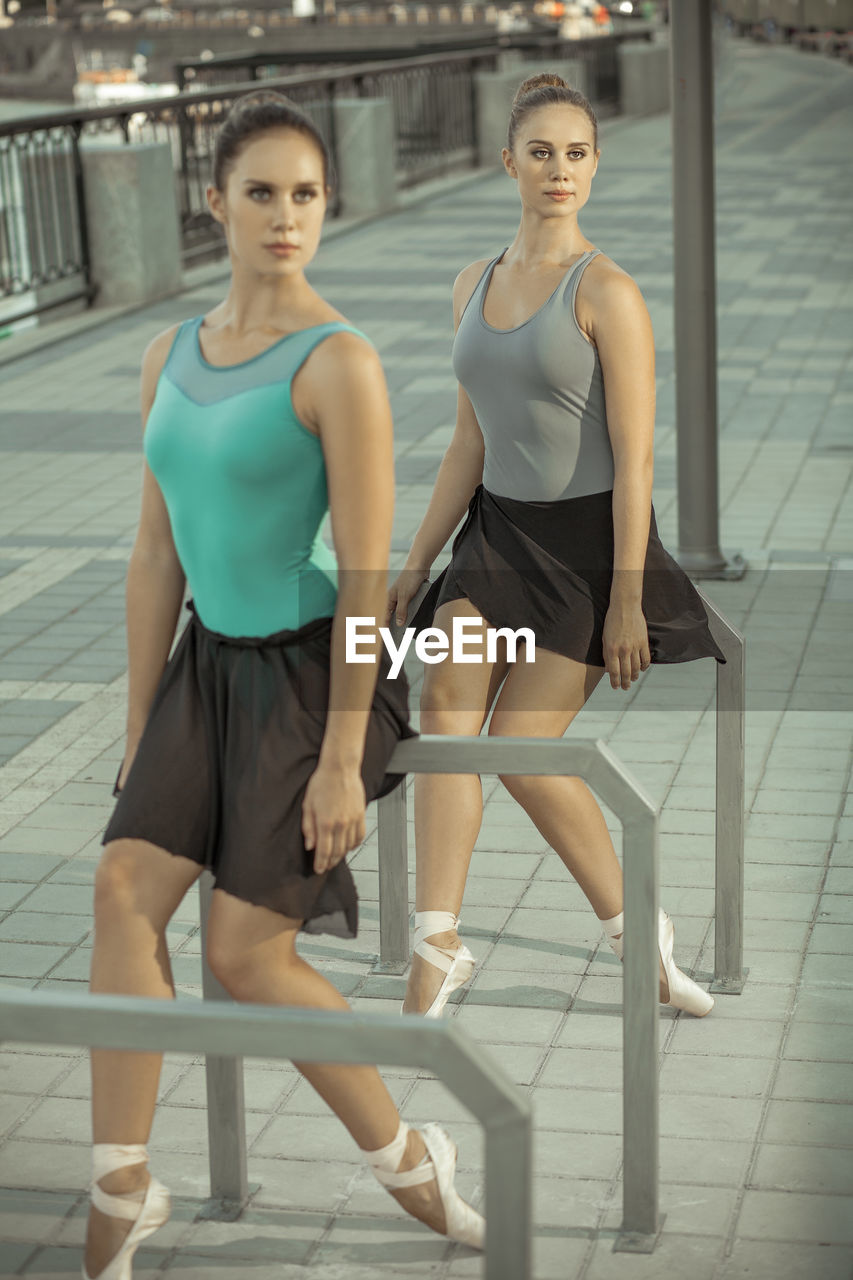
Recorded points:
(756, 1099)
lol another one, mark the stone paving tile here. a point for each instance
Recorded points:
(775, 1215)
(768, 1260)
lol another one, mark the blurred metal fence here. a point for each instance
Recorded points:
(44, 251)
(597, 53)
(43, 236)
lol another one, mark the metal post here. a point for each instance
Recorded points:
(729, 973)
(695, 291)
(226, 1110)
(640, 1017)
(508, 1145)
(613, 783)
(393, 883)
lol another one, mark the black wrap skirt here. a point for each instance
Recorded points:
(549, 566)
(231, 741)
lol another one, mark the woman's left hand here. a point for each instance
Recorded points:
(333, 814)
(626, 644)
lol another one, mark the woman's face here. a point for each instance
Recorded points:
(273, 204)
(554, 160)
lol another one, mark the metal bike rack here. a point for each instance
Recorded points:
(608, 777)
(314, 1035)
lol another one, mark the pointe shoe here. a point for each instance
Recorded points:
(458, 965)
(683, 992)
(461, 1222)
(147, 1214)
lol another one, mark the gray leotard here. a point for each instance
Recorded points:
(538, 393)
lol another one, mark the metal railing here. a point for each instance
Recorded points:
(133, 1023)
(44, 250)
(224, 68)
(608, 777)
(600, 768)
(43, 237)
(598, 54)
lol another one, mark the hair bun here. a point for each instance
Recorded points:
(540, 81)
(262, 98)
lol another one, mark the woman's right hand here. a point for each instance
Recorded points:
(403, 590)
(129, 756)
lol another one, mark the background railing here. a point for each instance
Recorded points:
(44, 251)
(597, 53)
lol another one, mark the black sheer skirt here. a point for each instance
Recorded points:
(231, 741)
(549, 566)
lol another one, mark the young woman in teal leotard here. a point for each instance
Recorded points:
(253, 749)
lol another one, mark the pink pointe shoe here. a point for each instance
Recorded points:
(684, 993)
(457, 965)
(147, 1211)
(461, 1222)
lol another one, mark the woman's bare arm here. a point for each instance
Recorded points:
(155, 580)
(461, 467)
(619, 325)
(350, 410)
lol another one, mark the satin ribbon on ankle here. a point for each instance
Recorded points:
(384, 1163)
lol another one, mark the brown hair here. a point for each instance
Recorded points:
(545, 90)
(255, 113)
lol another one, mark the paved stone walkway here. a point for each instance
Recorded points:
(756, 1100)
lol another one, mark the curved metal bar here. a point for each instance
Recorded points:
(601, 769)
(312, 1035)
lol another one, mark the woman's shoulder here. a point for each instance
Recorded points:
(346, 355)
(608, 300)
(465, 284)
(468, 278)
(157, 352)
(604, 278)
(154, 359)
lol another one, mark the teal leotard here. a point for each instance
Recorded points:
(244, 483)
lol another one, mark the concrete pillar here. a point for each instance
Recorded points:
(495, 91)
(643, 78)
(132, 216)
(364, 135)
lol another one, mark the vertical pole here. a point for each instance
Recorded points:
(695, 287)
(226, 1115)
(640, 1224)
(393, 882)
(729, 973)
(74, 132)
(508, 1199)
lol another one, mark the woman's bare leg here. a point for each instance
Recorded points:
(541, 700)
(137, 889)
(448, 806)
(253, 953)
(563, 809)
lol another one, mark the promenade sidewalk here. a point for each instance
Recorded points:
(756, 1099)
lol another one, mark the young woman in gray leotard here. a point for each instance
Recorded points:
(552, 455)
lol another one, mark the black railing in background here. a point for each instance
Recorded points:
(225, 68)
(44, 257)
